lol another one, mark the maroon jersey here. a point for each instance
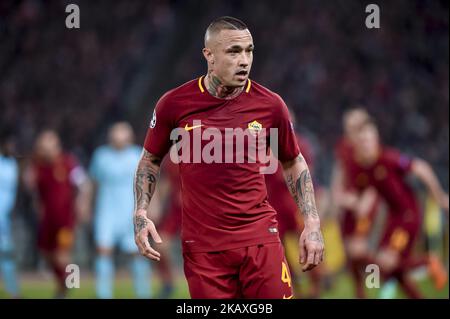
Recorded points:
(279, 196)
(171, 171)
(344, 154)
(387, 176)
(171, 221)
(350, 224)
(343, 149)
(56, 189)
(225, 205)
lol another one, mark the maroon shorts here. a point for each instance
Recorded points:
(259, 271)
(400, 235)
(353, 226)
(55, 236)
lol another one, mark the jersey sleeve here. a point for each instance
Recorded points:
(306, 149)
(399, 161)
(288, 147)
(157, 140)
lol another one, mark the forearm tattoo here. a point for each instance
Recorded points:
(145, 180)
(315, 236)
(302, 191)
(140, 222)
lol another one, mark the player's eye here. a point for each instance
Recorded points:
(234, 51)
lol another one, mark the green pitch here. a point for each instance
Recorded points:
(340, 287)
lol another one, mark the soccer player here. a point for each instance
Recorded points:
(9, 175)
(112, 168)
(231, 246)
(357, 209)
(385, 169)
(62, 188)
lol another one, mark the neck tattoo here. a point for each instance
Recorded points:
(217, 89)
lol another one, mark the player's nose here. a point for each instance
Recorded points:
(244, 61)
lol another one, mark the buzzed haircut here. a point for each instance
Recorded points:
(224, 23)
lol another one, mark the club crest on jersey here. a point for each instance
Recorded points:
(153, 121)
(254, 127)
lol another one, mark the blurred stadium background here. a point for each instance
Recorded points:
(318, 55)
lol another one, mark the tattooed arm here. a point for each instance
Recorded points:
(144, 186)
(300, 185)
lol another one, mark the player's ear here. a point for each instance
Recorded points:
(209, 56)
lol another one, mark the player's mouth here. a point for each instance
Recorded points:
(242, 75)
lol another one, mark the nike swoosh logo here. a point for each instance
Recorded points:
(189, 128)
(290, 297)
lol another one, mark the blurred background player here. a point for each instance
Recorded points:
(9, 175)
(355, 227)
(112, 169)
(386, 169)
(61, 188)
(169, 195)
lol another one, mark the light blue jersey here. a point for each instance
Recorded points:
(9, 174)
(113, 170)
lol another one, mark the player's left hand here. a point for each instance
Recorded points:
(143, 229)
(311, 247)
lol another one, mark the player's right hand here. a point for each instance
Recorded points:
(143, 229)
